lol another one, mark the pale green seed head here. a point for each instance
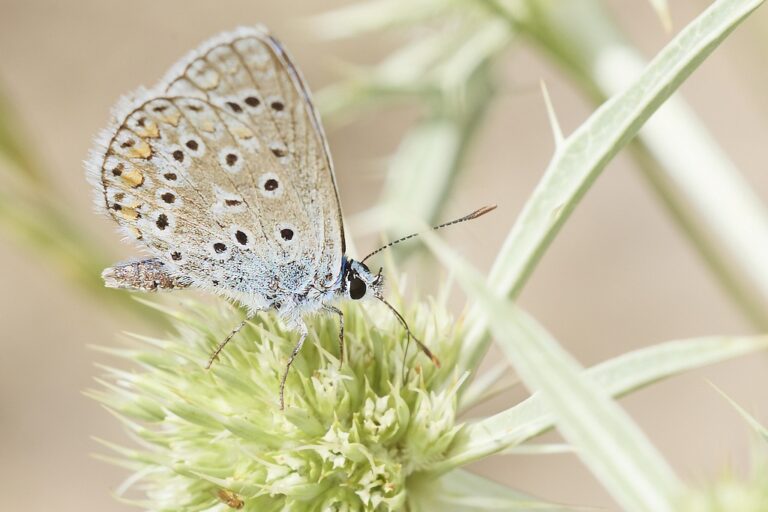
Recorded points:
(731, 493)
(348, 439)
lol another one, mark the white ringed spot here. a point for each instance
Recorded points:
(270, 185)
(231, 160)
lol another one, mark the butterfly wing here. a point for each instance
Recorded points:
(224, 173)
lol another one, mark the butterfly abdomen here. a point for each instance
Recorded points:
(144, 275)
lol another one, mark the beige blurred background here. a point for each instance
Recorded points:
(620, 276)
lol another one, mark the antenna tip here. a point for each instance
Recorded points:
(481, 211)
(435, 360)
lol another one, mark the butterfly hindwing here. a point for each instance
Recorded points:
(224, 173)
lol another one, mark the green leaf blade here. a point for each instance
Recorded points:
(584, 154)
(618, 376)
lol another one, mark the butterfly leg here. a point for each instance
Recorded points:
(218, 350)
(336, 310)
(302, 337)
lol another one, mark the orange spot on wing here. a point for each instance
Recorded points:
(150, 130)
(129, 213)
(134, 178)
(139, 150)
(242, 132)
(171, 118)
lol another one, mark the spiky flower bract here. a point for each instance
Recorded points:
(349, 438)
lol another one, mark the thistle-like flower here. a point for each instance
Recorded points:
(351, 435)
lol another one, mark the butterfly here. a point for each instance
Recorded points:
(222, 171)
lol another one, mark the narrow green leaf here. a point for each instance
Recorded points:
(429, 159)
(13, 147)
(662, 11)
(483, 41)
(462, 491)
(495, 379)
(756, 426)
(402, 75)
(618, 376)
(538, 449)
(373, 15)
(554, 123)
(606, 439)
(436, 70)
(586, 152)
(421, 168)
(583, 39)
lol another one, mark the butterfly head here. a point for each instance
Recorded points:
(359, 282)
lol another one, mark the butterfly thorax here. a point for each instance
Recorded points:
(355, 281)
(291, 289)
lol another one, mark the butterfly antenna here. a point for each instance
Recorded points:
(422, 346)
(475, 214)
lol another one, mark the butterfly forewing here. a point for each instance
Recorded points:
(224, 173)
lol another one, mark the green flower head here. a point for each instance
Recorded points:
(731, 492)
(350, 437)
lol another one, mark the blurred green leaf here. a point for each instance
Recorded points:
(400, 77)
(485, 40)
(33, 215)
(374, 15)
(448, 72)
(12, 145)
(432, 155)
(434, 70)
(28, 212)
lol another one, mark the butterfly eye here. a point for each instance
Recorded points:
(356, 288)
